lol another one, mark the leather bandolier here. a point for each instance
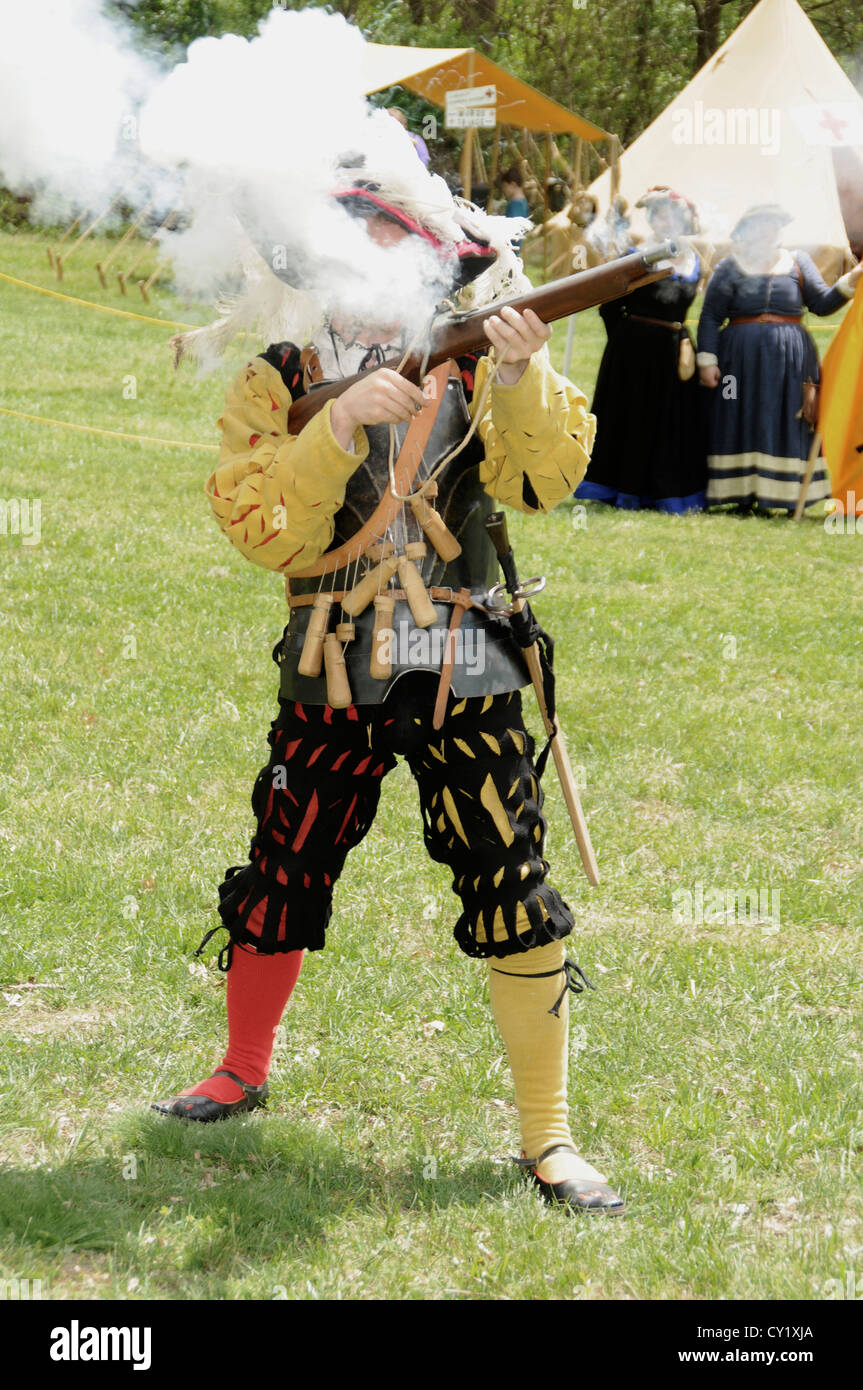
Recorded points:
(486, 660)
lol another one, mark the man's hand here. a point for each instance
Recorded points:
(519, 336)
(709, 376)
(381, 398)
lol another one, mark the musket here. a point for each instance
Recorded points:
(453, 334)
(496, 527)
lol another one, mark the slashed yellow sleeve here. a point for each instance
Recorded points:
(275, 494)
(538, 430)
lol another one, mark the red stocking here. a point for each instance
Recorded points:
(258, 989)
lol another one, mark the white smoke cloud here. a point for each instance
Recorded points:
(252, 131)
(264, 124)
(69, 83)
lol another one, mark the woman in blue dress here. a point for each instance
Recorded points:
(651, 446)
(762, 367)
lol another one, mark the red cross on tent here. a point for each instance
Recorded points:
(832, 123)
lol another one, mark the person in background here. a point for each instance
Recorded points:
(763, 417)
(512, 188)
(583, 210)
(651, 446)
(417, 141)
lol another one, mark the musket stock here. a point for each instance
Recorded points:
(455, 334)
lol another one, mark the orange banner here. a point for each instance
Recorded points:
(840, 416)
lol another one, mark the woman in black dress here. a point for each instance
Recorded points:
(651, 446)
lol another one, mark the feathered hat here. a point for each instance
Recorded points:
(281, 301)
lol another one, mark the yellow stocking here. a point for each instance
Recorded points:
(537, 1043)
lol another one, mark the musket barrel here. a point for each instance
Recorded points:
(461, 333)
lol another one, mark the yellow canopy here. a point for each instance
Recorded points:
(432, 72)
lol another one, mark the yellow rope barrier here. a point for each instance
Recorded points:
(91, 304)
(115, 434)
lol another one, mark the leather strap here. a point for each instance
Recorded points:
(246, 1085)
(461, 601)
(458, 596)
(310, 364)
(553, 1149)
(770, 318)
(405, 470)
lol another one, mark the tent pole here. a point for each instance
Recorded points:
(559, 160)
(495, 160)
(614, 160)
(466, 170)
(807, 476)
(570, 339)
(545, 208)
(480, 162)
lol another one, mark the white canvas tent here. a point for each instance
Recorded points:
(757, 124)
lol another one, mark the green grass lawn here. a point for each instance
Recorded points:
(709, 683)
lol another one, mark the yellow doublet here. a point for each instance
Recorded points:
(275, 494)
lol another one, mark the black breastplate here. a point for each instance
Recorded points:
(487, 660)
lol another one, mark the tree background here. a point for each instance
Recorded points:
(617, 62)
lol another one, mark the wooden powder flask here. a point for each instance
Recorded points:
(361, 595)
(381, 551)
(381, 666)
(346, 632)
(434, 526)
(313, 647)
(338, 687)
(421, 606)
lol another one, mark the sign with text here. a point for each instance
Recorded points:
(471, 106)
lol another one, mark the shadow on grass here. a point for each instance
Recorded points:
(246, 1189)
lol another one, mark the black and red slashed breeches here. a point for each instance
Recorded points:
(481, 808)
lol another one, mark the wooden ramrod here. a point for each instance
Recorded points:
(458, 333)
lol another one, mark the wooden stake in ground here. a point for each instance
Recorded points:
(102, 266)
(124, 276)
(61, 261)
(146, 285)
(52, 251)
(807, 476)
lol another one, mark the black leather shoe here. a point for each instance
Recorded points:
(574, 1194)
(205, 1110)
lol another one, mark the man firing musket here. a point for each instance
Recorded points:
(368, 488)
